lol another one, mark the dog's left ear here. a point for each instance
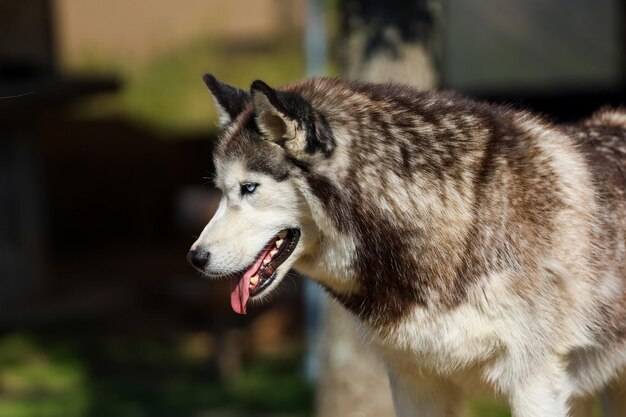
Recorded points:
(281, 117)
(288, 120)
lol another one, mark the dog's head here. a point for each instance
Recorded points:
(263, 223)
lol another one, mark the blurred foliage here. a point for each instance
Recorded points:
(481, 407)
(66, 376)
(82, 375)
(37, 381)
(167, 92)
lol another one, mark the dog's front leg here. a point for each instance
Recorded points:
(544, 394)
(424, 396)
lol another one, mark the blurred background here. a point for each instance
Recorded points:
(106, 133)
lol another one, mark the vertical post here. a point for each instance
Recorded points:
(315, 39)
(316, 62)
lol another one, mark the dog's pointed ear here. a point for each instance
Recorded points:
(288, 120)
(274, 117)
(230, 101)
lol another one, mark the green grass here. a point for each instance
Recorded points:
(482, 407)
(73, 375)
(82, 375)
(79, 375)
(40, 382)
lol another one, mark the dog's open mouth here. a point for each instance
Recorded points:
(260, 274)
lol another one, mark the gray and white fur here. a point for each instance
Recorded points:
(480, 247)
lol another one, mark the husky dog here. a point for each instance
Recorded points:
(480, 247)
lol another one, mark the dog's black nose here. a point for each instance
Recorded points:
(198, 258)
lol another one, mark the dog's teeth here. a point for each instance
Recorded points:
(282, 234)
(254, 280)
(273, 252)
(279, 242)
(266, 261)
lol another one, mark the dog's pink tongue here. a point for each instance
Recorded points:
(240, 292)
(240, 288)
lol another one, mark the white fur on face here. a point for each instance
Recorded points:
(244, 224)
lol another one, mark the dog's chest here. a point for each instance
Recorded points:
(450, 342)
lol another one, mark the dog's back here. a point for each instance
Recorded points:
(515, 217)
(602, 140)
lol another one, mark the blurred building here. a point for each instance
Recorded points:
(495, 45)
(30, 86)
(563, 58)
(141, 29)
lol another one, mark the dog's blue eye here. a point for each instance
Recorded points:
(248, 187)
